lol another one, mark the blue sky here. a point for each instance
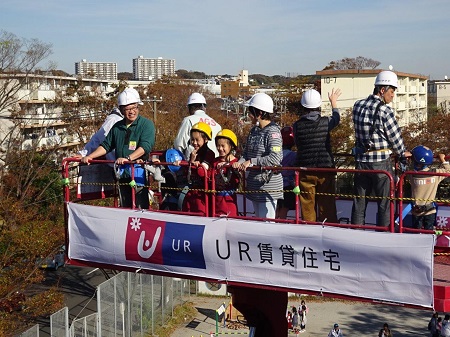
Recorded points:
(222, 37)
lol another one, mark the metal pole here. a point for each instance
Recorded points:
(154, 109)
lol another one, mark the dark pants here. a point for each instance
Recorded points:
(424, 221)
(126, 196)
(372, 184)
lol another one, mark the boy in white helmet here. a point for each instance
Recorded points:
(196, 107)
(377, 135)
(132, 138)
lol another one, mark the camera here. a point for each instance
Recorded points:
(362, 149)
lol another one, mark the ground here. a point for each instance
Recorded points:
(354, 318)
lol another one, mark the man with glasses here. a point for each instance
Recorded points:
(132, 138)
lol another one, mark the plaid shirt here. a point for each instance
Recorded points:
(386, 135)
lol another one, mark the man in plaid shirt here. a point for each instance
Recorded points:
(377, 136)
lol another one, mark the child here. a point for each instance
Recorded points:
(302, 318)
(289, 320)
(424, 187)
(226, 177)
(295, 319)
(289, 158)
(201, 160)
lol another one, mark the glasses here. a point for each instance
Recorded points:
(131, 108)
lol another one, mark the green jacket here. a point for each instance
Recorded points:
(141, 133)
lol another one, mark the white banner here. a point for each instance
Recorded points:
(373, 265)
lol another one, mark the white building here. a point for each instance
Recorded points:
(41, 121)
(145, 69)
(410, 102)
(97, 70)
(439, 95)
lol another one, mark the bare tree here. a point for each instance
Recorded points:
(18, 59)
(359, 62)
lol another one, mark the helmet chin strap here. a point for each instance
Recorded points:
(419, 167)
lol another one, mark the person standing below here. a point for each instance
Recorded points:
(377, 135)
(445, 332)
(132, 138)
(312, 137)
(385, 332)
(433, 325)
(263, 148)
(295, 320)
(196, 107)
(335, 332)
(424, 187)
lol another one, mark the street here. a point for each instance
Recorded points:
(78, 284)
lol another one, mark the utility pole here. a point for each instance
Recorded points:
(154, 100)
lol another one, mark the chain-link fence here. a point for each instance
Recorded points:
(85, 326)
(59, 323)
(128, 304)
(31, 332)
(133, 304)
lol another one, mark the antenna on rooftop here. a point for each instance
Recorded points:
(445, 77)
(391, 67)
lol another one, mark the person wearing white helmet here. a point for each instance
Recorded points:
(196, 106)
(377, 135)
(312, 138)
(113, 117)
(132, 138)
(263, 148)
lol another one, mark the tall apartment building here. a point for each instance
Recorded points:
(409, 104)
(147, 69)
(439, 94)
(96, 70)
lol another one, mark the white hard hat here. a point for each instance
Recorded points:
(387, 77)
(196, 98)
(129, 96)
(261, 102)
(311, 99)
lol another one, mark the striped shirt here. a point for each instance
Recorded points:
(386, 136)
(264, 148)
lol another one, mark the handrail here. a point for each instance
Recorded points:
(210, 191)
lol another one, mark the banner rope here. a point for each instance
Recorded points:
(295, 190)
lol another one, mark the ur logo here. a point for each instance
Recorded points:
(165, 243)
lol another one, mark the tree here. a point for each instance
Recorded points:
(346, 63)
(31, 222)
(18, 58)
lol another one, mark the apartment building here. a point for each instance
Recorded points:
(439, 94)
(96, 70)
(41, 122)
(409, 104)
(148, 69)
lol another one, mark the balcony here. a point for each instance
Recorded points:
(400, 106)
(412, 89)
